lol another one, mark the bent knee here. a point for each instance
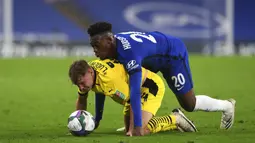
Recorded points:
(188, 108)
(188, 101)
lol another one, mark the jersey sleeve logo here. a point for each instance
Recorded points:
(131, 65)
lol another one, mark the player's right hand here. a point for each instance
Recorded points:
(139, 131)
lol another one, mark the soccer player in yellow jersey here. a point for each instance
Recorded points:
(110, 78)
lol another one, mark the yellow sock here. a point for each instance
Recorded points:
(164, 123)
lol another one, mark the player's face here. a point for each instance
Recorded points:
(103, 46)
(85, 82)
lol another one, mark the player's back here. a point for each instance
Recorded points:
(112, 80)
(109, 69)
(149, 42)
(151, 47)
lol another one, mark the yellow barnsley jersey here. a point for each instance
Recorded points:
(112, 80)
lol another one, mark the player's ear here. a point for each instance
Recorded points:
(90, 70)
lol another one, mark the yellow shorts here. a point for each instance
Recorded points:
(153, 90)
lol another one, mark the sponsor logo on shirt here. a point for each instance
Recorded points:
(131, 65)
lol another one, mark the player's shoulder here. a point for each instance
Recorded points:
(104, 68)
(128, 36)
(96, 61)
(127, 40)
(135, 37)
(99, 64)
(110, 63)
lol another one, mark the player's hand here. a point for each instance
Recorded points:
(138, 131)
(129, 133)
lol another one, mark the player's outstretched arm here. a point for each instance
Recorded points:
(132, 61)
(99, 107)
(132, 64)
(135, 97)
(81, 103)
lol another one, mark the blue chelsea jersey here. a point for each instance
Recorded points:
(134, 48)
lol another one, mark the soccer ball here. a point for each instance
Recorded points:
(81, 123)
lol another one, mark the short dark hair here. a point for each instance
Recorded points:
(78, 69)
(99, 27)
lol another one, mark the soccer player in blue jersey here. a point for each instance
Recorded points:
(157, 52)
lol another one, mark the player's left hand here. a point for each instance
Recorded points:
(138, 131)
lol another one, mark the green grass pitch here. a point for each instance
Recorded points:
(36, 97)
